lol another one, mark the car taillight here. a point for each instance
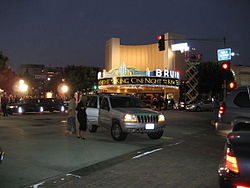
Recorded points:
(221, 110)
(242, 186)
(231, 161)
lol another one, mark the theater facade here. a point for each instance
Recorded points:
(142, 70)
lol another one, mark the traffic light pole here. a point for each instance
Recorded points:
(224, 90)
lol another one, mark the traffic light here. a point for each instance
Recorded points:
(226, 65)
(232, 85)
(95, 87)
(161, 42)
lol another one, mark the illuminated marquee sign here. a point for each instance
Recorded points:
(133, 80)
(124, 71)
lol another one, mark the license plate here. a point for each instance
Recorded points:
(150, 126)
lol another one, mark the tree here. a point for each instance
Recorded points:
(7, 76)
(81, 78)
(211, 78)
(3, 61)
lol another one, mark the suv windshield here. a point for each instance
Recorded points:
(125, 102)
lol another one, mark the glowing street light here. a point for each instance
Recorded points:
(49, 95)
(64, 88)
(22, 86)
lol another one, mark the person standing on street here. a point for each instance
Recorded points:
(71, 122)
(4, 102)
(172, 103)
(82, 116)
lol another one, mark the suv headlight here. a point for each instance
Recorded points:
(130, 118)
(161, 118)
(41, 109)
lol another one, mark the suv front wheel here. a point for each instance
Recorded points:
(117, 132)
(155, 135)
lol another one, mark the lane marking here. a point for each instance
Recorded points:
(74, 175)
(146, 153)
(36, 185)
(155, 150)
(174, 144)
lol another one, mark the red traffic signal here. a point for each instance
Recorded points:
(226, 65)
(159, 37)
(232, 85)
(161, 42)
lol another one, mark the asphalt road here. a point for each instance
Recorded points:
(38, 154)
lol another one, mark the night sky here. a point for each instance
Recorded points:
(67, 32)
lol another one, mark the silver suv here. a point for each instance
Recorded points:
(126, 114)
(234, 113)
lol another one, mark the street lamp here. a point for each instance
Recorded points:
(64, 88)
(22, 86)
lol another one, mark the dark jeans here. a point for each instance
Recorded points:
(4, 109)
(71, 124)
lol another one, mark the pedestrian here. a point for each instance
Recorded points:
(155, 103)
(4, 102)
(172, 103)
(166, 103)
(71, 120)
(82, 116)
(160, 102)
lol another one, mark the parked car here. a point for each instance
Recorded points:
(24, 105)
(181, 106)
(51, 104)
(35, 105)
(234, 168)
(127, 114)
(206, 105)
(1, 155)
(234, 112)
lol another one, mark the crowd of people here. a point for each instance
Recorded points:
(161, 103)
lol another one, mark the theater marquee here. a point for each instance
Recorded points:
(132, 77)
(133, 80)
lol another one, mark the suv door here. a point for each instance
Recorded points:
(92, 109)
(104, 113)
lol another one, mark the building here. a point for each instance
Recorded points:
(143, 69)
(242, 75)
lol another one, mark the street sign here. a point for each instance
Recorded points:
(224, 54)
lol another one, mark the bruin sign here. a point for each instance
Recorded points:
(139, 81)
(167, 73)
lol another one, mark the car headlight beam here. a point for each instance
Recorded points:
(161, 118)
(41, 109)
(130, 118)
(62, 109)
(20, 110)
